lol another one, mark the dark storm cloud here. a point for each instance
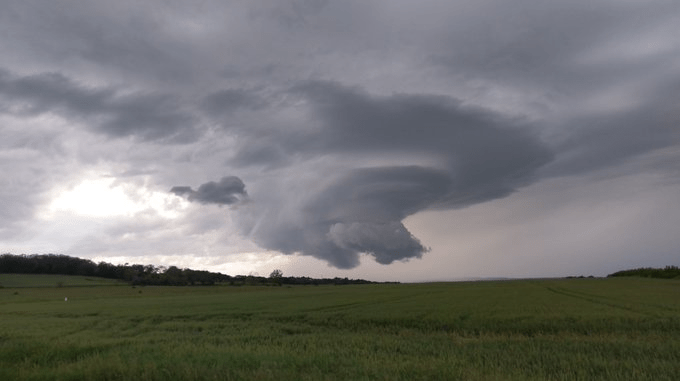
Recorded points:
(580, 52)
(344, 118)
(358, 212)
(361, 212)
(347, 120)
(488, 154)
(229, 190)
(146, 116)
(380, 194)
(108, 36)
(539, 43)
(229, 100)
(473, 155)
(601, 141)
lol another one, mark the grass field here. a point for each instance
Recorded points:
(575, 329)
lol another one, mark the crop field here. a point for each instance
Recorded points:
(562, 329)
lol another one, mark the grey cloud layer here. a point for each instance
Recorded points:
(342, 118)
(602, 141)
(146, 116)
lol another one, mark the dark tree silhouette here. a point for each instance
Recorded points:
(148, 274)
(668, 272)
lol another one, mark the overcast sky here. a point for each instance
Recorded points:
(385, 140)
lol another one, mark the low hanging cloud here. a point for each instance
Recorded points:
(454, 156)
(386, 242)
(228, 191)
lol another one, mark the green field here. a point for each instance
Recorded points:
(568, 329)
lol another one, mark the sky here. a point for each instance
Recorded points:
(387, 140)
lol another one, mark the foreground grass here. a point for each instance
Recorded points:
(579, 329)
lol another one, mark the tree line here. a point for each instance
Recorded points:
(148, 274)
(668, 272)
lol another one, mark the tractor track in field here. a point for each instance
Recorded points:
(345, 306)
(596, 299)
(651, 305)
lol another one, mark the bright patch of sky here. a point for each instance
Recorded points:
(108, 197)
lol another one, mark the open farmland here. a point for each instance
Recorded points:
(626, 328)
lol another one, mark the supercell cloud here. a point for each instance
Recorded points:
(428, 136)
(452, 156)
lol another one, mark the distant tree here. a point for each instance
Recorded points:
(175, 276)
(276, 276)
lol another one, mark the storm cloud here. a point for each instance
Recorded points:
(453, 156)
(437, 136)
(229, 190)
(145, 116)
